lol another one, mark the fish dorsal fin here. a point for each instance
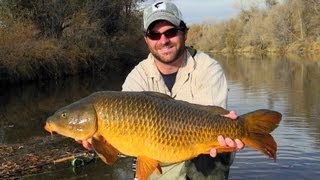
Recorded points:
(106, 151)
(157, 94)
(146, 166)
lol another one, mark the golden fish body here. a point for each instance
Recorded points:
(162, 128)
(156, 128)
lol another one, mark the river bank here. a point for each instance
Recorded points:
(36, 155)
(308, 49)
(25, 57)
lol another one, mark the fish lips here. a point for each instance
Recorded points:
(48, 128)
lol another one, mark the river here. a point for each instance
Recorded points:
(288, 85)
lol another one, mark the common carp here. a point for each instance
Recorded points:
(156, 128)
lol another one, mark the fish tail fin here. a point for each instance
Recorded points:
(259, 124)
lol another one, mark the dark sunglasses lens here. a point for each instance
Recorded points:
(169, 34)
(153, 35)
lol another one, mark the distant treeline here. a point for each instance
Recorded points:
(292, 26)
(45, 39)
(55, 38)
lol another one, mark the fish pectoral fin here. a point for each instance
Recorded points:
(146, 166)
(106, 151)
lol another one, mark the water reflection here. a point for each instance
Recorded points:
(295, 83)
(291, 87)
(24, 108)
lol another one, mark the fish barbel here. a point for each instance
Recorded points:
(156, 128)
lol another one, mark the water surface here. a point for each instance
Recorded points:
(289, 86)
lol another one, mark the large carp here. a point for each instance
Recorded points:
(155, 128)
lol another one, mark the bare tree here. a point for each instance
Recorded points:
(271, 3)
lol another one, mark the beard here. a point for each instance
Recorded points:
(173, 58)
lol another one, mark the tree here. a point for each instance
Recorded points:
(282, 24)
(64, 37)
(53, 16)
(279, 27)
(271, 3)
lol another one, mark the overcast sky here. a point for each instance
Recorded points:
(203, 10)
(197, 11)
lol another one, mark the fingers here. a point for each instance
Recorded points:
(213, 152)
(86, 144)
(229, 142)
(232, 115)
(239, 144)
(221, 141)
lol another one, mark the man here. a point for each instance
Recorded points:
(172, 68)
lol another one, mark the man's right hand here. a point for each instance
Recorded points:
(86, 144)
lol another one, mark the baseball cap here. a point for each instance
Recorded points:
(161, 10)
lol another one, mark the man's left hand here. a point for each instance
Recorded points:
(237, 144)
(227, 142)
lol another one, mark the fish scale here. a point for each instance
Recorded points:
(156, 129)
(167, 127)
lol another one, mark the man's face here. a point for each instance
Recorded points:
(166, 42)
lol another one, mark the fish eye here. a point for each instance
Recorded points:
(64, 115)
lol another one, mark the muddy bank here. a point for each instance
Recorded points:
(37, 155)
(54, 158)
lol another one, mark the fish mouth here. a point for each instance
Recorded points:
(48, 128)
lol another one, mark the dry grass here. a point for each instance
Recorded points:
(314, 47)
(24, 56)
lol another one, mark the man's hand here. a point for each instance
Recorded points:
(227, 141)
(231, 115)
(86, 144)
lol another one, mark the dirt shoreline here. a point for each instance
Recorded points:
(37, 155)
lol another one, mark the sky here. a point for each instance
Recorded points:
(206, 10)
(198, 11)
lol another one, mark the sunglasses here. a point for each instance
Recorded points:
(170, 33)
